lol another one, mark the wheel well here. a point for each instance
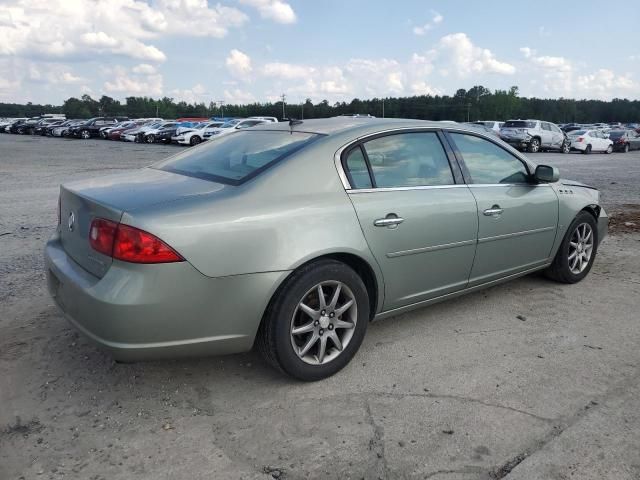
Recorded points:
(362, 268)
(593, 210)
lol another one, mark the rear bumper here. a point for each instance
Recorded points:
(140, 312)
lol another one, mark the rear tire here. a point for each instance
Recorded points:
(587, 150)
(609, 149)
(560, 270)
(534, 145)
(150, 138)
(626, 148)
(85, 134)
(297, 306)
(195, 140)
(566, 147)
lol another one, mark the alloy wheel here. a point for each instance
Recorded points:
(85, 134)
(534, 146)
(580, 248)
(324, 322)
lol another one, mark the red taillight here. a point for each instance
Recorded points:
(137, 246)
(580, 139)
(102, 234)
(129, 244)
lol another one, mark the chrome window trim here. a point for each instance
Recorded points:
(351, 191)
(337, 158)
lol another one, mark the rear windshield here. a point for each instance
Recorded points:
(237, 157)
(518, 124)
(616, 134)
(577, 132)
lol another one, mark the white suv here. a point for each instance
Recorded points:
(534, 136)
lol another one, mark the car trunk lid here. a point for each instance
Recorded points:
(109, 197)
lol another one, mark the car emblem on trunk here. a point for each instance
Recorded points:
(72, 221)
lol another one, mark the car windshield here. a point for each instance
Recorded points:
(235, 158)
(616, 133)
(519, 124)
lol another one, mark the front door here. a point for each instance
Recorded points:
(517, 220)
(419, 224)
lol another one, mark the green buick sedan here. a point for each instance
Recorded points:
(292, 237)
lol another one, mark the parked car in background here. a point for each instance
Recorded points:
(624, 140)
(64, 129)
(7, 123)
(588, 141)
(196, 135)
(534, 136)
(480, 126)
(228, 245)
(266, 119)
(149, 135)
(493, 125)
(235, 125)
(123, 128)
(42, 126)
(91, 128)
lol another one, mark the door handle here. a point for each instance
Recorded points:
(494, 211)
(391, 221)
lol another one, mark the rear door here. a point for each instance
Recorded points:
(419, 223)
(517, 220)
(547, 135)
(557, 135)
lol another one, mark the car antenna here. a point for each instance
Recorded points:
(293, 122)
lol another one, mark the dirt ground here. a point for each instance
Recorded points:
(527, 380)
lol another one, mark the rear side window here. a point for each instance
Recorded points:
(235, 158)
(408, 160)
(487, 162)
(356, 167)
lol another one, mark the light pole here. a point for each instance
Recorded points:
(221, 103)
(283, 97)
(383, 108)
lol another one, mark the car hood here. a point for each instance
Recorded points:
(574, 183)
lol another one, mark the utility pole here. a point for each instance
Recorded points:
(383, 108)
(221, 103)
(302, 111)
(283, 97)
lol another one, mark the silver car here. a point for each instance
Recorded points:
(534, 136)
(294, 236)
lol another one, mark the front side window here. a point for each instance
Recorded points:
(408, 160)
(487, 162)
(234, 159)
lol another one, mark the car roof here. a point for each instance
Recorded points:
(357, 125)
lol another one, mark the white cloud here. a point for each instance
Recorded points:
(125, 83)
(421, 88)
(436, 19)
(275, 10)
(81, 30)
(606, 84)
(196, 94)
(144, 69)
(287, 70)
(238, 96)
(238, 64)
(466, 58)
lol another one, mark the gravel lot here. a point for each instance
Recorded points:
(528, 380)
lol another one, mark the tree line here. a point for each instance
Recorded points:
(477, 103)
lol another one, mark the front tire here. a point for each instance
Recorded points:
(609, 149)
(150, 138)
(566, 147)
(195, 140)
(577, 252)
(85, 134)
(316, 322)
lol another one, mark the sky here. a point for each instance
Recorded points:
(241, 51)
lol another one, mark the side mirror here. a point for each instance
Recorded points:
(546, 174)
